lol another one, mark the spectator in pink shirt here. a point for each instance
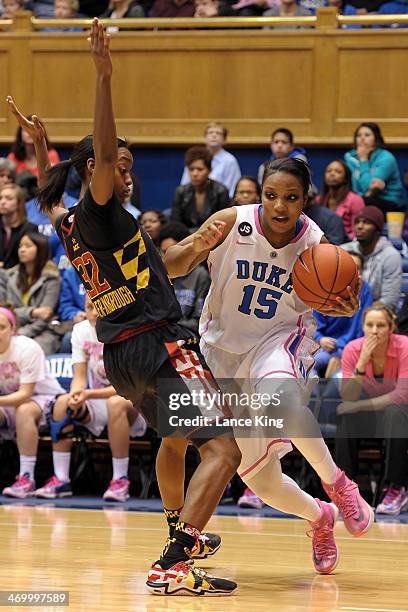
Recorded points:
(23, 155)
(376, 367)
(337, 194)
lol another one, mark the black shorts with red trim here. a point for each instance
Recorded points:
(163, 373)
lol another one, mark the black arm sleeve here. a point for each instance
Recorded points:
(103, 227)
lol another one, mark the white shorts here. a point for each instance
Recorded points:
(8, 431)
(98, 416)
(279, 358)
(98, 412)
(138, 427)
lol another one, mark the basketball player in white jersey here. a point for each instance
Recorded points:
(254, 328)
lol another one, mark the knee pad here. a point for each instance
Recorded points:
(56, 427)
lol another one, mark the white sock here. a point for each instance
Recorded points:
(27, 465)
(61, 465)
(120, 467)
(281, 492)
(318, 455)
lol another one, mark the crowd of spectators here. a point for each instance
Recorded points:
(357, 193)
(66, 9)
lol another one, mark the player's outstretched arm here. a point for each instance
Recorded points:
(104, 136)
(183, 257)
(35, 129)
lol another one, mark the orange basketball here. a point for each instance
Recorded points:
(322, 273)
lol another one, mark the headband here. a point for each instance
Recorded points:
(9, 315)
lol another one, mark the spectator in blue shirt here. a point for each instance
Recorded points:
(34, 215)
(333, 333)
(71, 304)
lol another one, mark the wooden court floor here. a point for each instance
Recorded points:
(101, 558)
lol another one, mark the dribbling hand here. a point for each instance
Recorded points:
(33, 127)
(99, 42)
(345, 307)
(208, 237)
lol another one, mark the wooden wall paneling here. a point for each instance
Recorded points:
(373, 84)
(168, 84)
(5, 86)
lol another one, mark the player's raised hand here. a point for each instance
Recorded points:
(99, 42)
(207, 237)
(34, 127)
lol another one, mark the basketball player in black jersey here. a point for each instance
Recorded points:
(147, 355)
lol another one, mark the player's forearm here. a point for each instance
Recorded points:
(105, 141)
(43, 161)
(182, 259)
(103, 393)
(352, 388)
(78, 383)
(15, 399)
(376, 403)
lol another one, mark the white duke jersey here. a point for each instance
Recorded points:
(251, 297)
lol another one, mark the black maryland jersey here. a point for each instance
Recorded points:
(120, 267)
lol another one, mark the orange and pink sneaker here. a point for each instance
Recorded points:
(325, 553)
(358, 516)
(184, 579)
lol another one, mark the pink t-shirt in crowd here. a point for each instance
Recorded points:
(348, 210)
(395, 379)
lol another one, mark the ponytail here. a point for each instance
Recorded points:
(50, 194)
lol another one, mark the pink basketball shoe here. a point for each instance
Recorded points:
(54, 488)
(118, 490)
(395, 500)
(23, 487)
(325, 553)
(358, 516)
